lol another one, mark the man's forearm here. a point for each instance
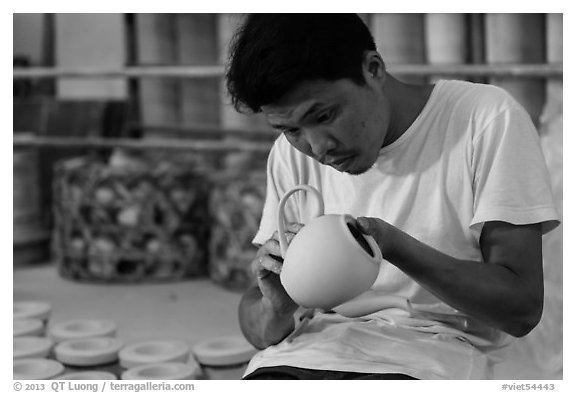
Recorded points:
(489, 292)
(260, 324)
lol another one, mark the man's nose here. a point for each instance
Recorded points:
(320, 143)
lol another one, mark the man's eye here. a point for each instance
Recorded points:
(290, 131)
(324, 117)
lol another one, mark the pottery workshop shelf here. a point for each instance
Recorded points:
(195, 72)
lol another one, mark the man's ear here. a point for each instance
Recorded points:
(373, 66)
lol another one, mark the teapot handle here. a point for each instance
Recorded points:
(282, 220)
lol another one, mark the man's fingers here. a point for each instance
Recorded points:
(291, 229)
(289, 236)
(294, 227)
(263, 265)
(268, 258)
(376, 228)
(272, 264)
(271, 247)
(365, 225)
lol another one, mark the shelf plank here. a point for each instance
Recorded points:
(141, 144)
(553, 70)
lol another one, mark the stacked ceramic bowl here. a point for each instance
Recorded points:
(31, 349)
(158, 359)
(86, 349)
(86, 346)
(224, 358)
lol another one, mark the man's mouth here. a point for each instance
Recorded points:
(338, 162)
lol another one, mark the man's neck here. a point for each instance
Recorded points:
(407, 102)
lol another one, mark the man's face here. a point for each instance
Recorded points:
(337, 123)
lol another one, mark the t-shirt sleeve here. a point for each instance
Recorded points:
(279, 179)
(511, 181)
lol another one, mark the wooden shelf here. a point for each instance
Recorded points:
(551, 70)
(454, 70)
(140, 144)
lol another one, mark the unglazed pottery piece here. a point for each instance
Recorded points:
(89, 375)
(82, 328)
(36, 369)
(88, 351)
(224, 351)
(329, 261)
(31, 309)
(27, 327)
(156, 351)
(165, 371)
(31, 347)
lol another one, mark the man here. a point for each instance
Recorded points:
(449, 179)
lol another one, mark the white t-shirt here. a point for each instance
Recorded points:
(471, 156)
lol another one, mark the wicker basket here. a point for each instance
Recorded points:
(130, 223)
(236, 208)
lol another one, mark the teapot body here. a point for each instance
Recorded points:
(325, 266)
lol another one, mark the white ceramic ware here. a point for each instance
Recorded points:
(89, 375)
(31, 309)
(224, 351)
(31, 347)
(27, 327)
(224, 358)
(82, 328)
(36, 369)
(325, 264)
(88, 351)
(155, 351)
(162, 371)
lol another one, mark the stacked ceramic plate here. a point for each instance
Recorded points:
(36, 368)
(158, 359)
(32, 309)
(94, 351)
(81, 328)
(27, 327)
(224, 358)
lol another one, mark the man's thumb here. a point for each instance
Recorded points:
(364, 225)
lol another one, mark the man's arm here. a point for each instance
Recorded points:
(260, 323)
(506, 291)
(266, 312)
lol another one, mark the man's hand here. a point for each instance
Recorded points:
(379, 230)
(267, 267)
(505, 290)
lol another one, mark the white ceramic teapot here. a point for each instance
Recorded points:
(329, 262)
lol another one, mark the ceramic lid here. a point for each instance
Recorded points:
(165, 371)
(224, 351)
(154, 351)
(27, 327)
(36, 369)
(88, 375)
(82, 328)
(31, 309)
(88, 351)
(31, 347)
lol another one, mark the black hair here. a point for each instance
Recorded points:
(271, 53)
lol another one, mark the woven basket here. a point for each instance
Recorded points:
(130, 223)
(236, 208)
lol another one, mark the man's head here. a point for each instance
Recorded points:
(317, 78)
